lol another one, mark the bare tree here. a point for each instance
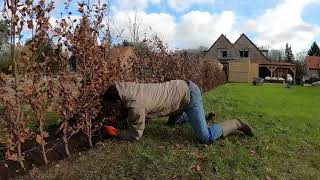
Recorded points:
(276, 55)
(301, 55)
(134, 26)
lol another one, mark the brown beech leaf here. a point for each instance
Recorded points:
(21, 139)
(13, 157)
(39, 140)
(45, 134)
(30, 24)
(27, 130)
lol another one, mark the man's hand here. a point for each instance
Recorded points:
(111, 131)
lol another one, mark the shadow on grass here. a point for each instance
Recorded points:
(159, 131)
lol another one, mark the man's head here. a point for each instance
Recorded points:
(112, 104)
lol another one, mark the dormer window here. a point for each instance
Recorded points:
(224, 53)
(244, 53)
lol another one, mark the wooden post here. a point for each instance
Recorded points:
(272, 69)
(293, 69)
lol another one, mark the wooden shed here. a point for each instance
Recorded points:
(276, 69)
(243, 70)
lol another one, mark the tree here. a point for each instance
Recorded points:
(289, 57)
(276, 55)
(4, 32)
(301, 55)
(134, 27)
(314, 50)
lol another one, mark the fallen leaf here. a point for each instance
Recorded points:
(203, 158)
(252, 152)
(179, 146)
(198, 168)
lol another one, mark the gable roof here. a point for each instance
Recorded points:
(245, 36)
(313, 62)
(222, 37)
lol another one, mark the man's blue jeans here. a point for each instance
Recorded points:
(194, 114)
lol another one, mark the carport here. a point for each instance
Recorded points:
(276, 69)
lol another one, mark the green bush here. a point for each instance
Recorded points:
(6, 60)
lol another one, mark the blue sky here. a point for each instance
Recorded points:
(194, 23)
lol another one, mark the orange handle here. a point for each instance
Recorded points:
(111, 131)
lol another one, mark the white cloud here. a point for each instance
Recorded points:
(202, 28)
(181, 5)
(132, 4)
(274, 27)
(161, 24)
(195, 28)
(178, 5)
(155, 2)
(284, 24)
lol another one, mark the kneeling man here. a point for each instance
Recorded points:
(177, 99)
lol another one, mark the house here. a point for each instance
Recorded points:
(243, 60)
(313, 66)
(225, 51)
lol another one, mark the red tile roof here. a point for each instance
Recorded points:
(313, 62)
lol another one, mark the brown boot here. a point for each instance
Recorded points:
(236, 124)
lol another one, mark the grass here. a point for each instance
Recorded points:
(286, 145)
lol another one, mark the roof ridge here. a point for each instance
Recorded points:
(243, 34)
(221, 36)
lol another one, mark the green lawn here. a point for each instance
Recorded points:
(286, 145)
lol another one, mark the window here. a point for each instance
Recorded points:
(224, 54)
(244, 53)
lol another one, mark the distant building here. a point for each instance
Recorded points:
(237, 57)
(224, 51)
(313, 66)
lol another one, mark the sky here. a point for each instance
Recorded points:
(193, 23)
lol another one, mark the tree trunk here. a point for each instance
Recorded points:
(44, 152)
(43, 147)
(90, 133)
(65, 140)
(20, 159)
(90, 140)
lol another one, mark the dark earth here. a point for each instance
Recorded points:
(55, 151)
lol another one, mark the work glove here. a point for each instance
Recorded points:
(111, 131)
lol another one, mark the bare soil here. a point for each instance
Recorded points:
(55, 151)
